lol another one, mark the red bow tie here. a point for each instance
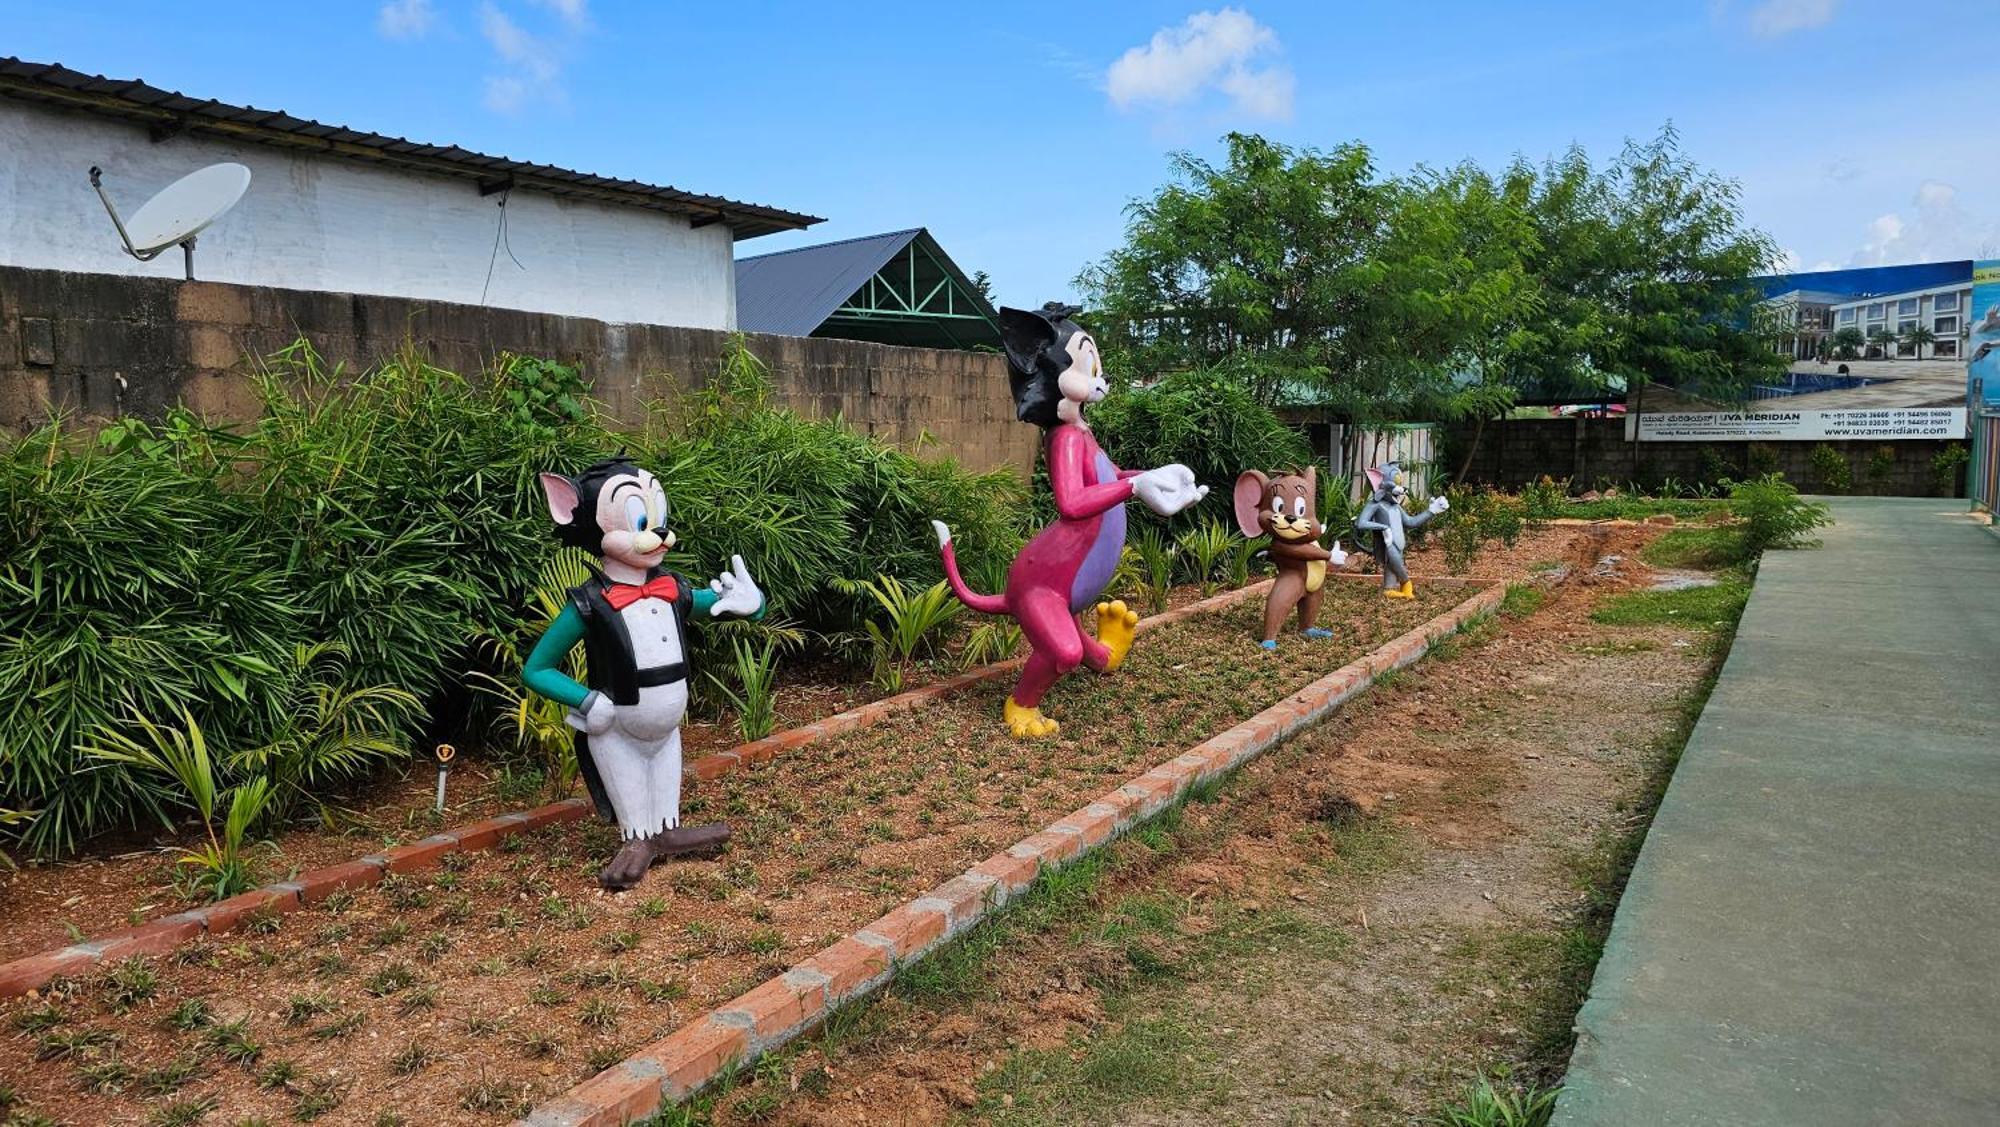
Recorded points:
(622, 595)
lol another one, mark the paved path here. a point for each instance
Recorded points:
(1812, 933)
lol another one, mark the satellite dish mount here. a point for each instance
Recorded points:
(182, 210)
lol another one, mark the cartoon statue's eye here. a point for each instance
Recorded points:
(635, 513)
(1278, 506)
(1298, 506)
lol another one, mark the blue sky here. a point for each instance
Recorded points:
(1018, 134)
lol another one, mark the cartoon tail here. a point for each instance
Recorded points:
(984, 604)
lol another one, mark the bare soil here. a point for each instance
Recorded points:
(469, 994)
(1359, 924)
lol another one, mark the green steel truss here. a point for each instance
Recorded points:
(916, 299)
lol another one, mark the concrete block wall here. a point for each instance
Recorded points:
(107, 346)
(1593, 453)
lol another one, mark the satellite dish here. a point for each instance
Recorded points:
(182, 210)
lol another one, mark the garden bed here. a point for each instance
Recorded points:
(506, 976)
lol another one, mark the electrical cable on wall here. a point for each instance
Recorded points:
(500, 239)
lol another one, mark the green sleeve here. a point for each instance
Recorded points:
(543, 672)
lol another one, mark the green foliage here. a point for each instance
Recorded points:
(754, 668)
(1155, 555)
(1476, 518)
(315, 589)
(1484, 1105)
(1522, 600)
(1946, 465)
(1847, 343)
(1207, 420)
(217, 868)
(1203, 547)
(1830, 470)
(916, 619)
(990, 642)
(1545, 498)
(1774, 516)
(1715, 607)
(1881, 463)
(1441, 294)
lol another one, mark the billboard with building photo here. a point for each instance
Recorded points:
(1982, 344)
(1877, 354)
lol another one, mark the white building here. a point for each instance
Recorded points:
(1940, 309)
(335, 209)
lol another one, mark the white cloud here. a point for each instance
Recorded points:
(1771, 19)
(1207, 51)
(1938, 229)
(534, 69)
(405, 19)
(572, 12)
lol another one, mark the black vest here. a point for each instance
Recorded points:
(610, 668)
(607, 645)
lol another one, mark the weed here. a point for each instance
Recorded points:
(1774, 516)
(1521, 600)
(1483, 1105)
(433, 947)
(754, 669)
(40, 1019)
(538, 1044)
(621, 942)
(412, 1059)
(417, 1001)
(184, 1113)
(170, 1077)
(129, 983)
(546, 994)
(340, 1028)
(389, 979)
(598, 1013)
(916, 618)
(1703, 548)
(482, 1027)
(231, 1040)
(302, 1008)
(495, 1097)
(338, 901)
(395, 932)
(104, 1076)
(277, 1074)
(262, 922)
(63, 1044)
(651, 908)
(316, 1097)
(1703, 608)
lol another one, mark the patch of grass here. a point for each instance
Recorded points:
(66, 1043)
(1152, 1059)
(495, 1097)
(318, 1096)
(40, 1019)
(389, 979)
(302, 1008)
(1522, 600)
(1486, 1105)
(1704, 549)
(231, 1040)
(417, 1001)
(598, 1013)
(183, 1113)
(1702, 608)
(171, 1077)
(413, 1058)
(130, 983)
(277, 1074)
(104, 1076)
(347, 1025)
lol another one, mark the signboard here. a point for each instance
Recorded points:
(1982, 343)
(1885, 423)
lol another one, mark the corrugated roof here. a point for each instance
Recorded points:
(793, 292)
(169, 112)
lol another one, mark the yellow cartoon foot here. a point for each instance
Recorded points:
(1027, 723)
(1115, 624)
(1408, 593)
(1402, 592)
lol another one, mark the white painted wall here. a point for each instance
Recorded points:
(313, 222)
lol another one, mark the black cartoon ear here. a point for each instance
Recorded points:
(1026, 334)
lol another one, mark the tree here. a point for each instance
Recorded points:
(983, 282)
(1847, 342)
(1880, 338)
(1917, 336)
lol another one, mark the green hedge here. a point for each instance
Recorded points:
(155, 568)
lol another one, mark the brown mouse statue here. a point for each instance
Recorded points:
(1285, 507)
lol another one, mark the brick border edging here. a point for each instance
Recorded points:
(155, 937)
(737, 1032)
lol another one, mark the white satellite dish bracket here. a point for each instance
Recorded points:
(181, 211)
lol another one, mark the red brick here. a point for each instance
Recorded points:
(909, 927)
(1160, 789)
(419, 855)
(710, 767)
(778, 1007)
(319, 884)
(1126, 805)
(964, 897)
(484, 833)
(554, 814)
(35, 971)
(1093, 826)
(694, 1054)
(620, 1094)
(225, 916)
(848, 963)
(156, 938)
(1053, 848)
(1010, 873)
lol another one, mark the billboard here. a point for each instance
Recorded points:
(1982, 343)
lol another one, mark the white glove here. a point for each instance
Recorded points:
(1169, 489)
(593, 717)
(736, 592)
(1439, 504)
(1339, 558)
